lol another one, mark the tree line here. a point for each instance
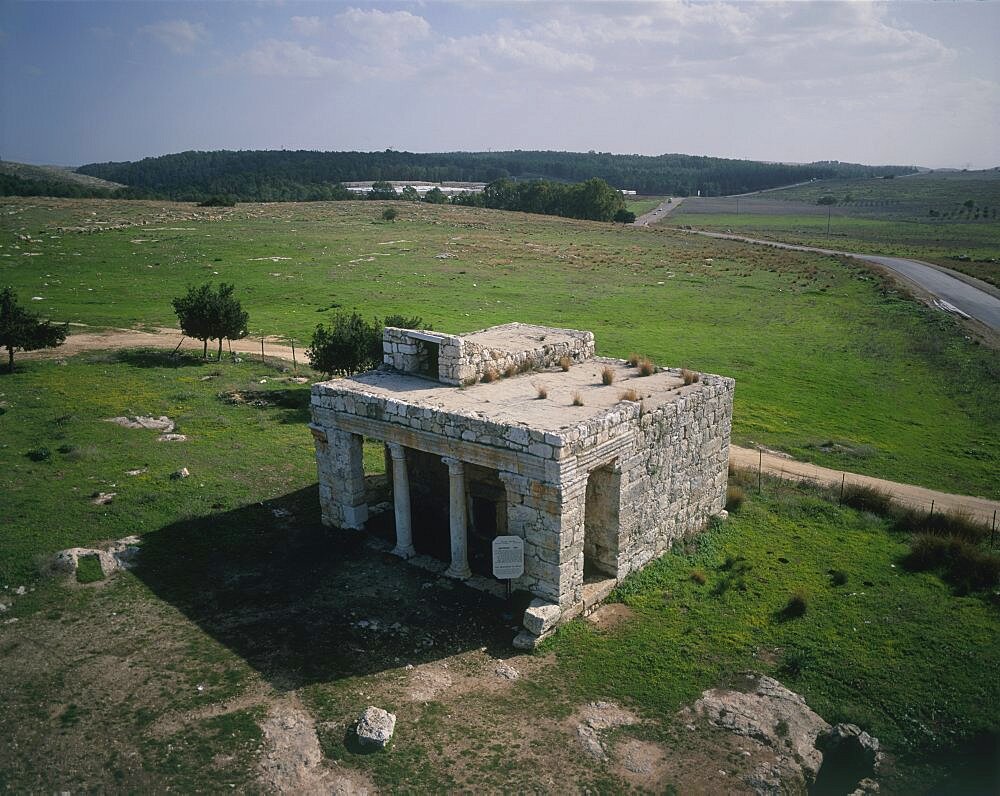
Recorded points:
(285, 175)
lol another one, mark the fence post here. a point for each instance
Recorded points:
(843, 481)
(295, 365)
(262, 349)
(760, 468)
(993, 532)
(932, 509)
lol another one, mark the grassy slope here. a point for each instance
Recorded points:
(888, 650)
(643, 204)
(878, 216)
(818, 349)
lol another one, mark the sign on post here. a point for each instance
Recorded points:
(508, 557)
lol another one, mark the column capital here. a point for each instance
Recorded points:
(455, 466)
(396, 450)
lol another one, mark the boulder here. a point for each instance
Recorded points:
(541, 616)
(375, 727)
(162, 423)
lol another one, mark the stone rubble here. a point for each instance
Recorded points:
(120, 554)
(375, 727)
(162, 423)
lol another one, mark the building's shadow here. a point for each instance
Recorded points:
(303, 604)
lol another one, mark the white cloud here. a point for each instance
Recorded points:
(308, 26)
(384, 30)
(179, 35)
(280, 58)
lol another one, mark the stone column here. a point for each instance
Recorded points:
(458, 520)
(401, 499)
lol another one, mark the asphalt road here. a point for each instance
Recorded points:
(658, 213)
(957, 294)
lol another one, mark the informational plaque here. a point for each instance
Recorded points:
(508, 557)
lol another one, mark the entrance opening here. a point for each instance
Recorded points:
(487, 516)
(600, 539)
(429, 502)
(427, 358)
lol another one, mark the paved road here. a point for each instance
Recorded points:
(958, 294)
(660, 212)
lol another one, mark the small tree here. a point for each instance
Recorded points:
(208, 314)
(435, 196)
(21, 329)
(623, 216)
(410, 194)
(389, 214)
(381, 189)
(350, 344)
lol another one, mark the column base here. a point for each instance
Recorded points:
(458, 572)
(404, 552)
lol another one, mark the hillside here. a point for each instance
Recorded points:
(25, 179)
(307, 175)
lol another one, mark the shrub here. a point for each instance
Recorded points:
(698, 577)
(39, 454)
(633, 359)
(838, 577)
(543, 391)
(867, 498)
(964, 565)
(489, 375)
(220, 200)
(565, 362)
(796, 605)
(607, 376)
(510, 371)
(689, 376)
(954, 523)
(795, 661)
(734, 498)
(646, 367)
(630, 395)
(744, 476)
(577, 399)
(389, 214)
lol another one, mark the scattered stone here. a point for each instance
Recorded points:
(541, 616)
(375, 727)
(137, 471)
(178, 474)
(19, 591)
(445, 256)
(526, 640)
(171, 438)
(120, 554)
(161, 423)
(595, 719)
(103, 498)
(3, 607)
(299, 380)
(506, 671)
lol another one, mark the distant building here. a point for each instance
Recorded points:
(488, 434)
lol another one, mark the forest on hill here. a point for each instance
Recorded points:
(284, 175)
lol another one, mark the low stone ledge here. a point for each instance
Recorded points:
(541, 617)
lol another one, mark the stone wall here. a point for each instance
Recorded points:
(461, 360)
(669, 455)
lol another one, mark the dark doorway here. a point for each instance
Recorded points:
(482, 531)
(601, 521)
(427, 357)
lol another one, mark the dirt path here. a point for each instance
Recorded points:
(907, 494)
(772, 464)
(660, 212)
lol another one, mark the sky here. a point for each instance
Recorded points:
(909, 83)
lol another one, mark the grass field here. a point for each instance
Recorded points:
(643, 204)
(243, 607)
(819, 348)
(949, 219)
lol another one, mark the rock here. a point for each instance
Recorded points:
(171, 438)
(375, 727)
(120, 554)
(591, 742)
(178, 474)
(525, 640)
(506, 671)
(19, 591)
(596, 718)
(770, 713)
(103, 498)
(161, 423)
(541, 616)
(850, 756)
(865, 788)
(138, 471)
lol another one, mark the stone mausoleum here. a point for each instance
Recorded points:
(512, 431)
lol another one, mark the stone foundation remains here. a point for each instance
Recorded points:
(595, 483)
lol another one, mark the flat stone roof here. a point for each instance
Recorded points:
(514, 337)
(515, 400)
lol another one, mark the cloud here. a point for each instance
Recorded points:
(101, 33)
(280, 58)
(179, 35)
(384, 30)
(308, 26)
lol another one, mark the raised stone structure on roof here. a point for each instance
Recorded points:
(595, 483)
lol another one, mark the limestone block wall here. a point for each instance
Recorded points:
(464, 361)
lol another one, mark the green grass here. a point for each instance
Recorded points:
(889, 650)
(89, 570)
(820, 349)
(946, 219)
(235, 453)
(643, 204)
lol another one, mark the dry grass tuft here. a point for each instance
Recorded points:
(542, 391)
(565, 363)
(577, 399)
(607, 376)
(633, 360)
(629, 395)
(690, 376)
(511, 371)
(489, 375)
(646, 367)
